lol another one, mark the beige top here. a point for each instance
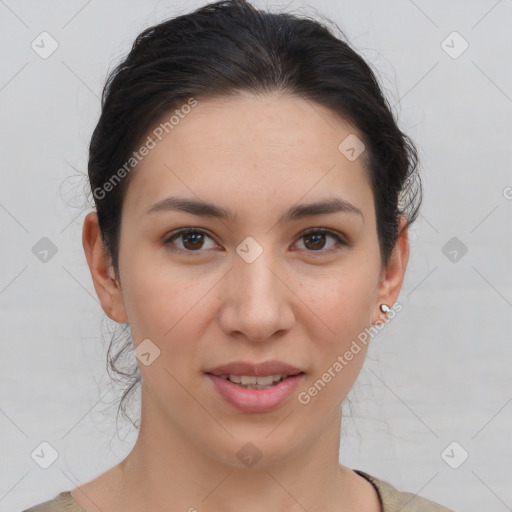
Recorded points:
(391, 499)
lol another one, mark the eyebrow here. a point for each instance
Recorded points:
(206, 209)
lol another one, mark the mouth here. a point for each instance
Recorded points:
(253, 382)
(255, 388)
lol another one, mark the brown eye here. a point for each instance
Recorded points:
(192, 240)
(315, 240)
(196, 241)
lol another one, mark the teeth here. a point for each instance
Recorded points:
(250, 381)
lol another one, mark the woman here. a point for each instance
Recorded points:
(253, 195)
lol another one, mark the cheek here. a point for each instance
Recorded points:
(165, 303)
(170, 308)
(343, 301)
(343, 306)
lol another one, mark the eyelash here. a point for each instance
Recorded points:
(340, 242)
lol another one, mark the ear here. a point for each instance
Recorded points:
(107, 287)
(393, 273)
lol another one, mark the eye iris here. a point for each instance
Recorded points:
(195, 238)
(318, 239)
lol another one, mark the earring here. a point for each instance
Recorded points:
(384, 308)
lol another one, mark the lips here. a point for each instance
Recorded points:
(255, 388)
(255, 369)
(255, 400)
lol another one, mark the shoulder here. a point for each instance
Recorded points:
(63, 502)
(394, 500)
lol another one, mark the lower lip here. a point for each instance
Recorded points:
(256, 400)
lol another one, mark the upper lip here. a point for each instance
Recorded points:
(255, 369)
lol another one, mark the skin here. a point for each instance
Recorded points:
(257, 155)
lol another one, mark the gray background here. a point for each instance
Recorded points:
(439, 372)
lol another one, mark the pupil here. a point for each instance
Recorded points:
(318, 239)
(195, 238)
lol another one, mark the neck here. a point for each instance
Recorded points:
(167, 471)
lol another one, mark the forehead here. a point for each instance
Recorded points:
(274, 147)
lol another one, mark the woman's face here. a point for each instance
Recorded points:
(250, 287)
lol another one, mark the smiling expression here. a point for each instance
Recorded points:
(247, 236)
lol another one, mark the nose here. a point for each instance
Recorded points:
(256, 300)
